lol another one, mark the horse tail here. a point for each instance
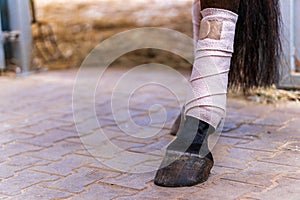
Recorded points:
(255, 62)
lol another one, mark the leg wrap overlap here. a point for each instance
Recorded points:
(213, 54)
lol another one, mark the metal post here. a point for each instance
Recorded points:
(20, 21)
(289, 78)
(292, 36)
(2, 54)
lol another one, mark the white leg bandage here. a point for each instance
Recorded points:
(211, 67)
(196, 19)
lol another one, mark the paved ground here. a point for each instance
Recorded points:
(42, 156)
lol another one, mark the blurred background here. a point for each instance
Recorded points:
(41, 35)
(80, 25)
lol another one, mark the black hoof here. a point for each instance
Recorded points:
(187, 170)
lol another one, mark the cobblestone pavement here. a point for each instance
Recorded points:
(42, 156)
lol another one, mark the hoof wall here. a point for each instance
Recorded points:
(187, 170)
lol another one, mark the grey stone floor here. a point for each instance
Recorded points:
(44, 157)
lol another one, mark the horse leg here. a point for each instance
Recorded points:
(188, 160)
(232, 5)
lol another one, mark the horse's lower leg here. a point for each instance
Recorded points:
(206, 109)
(232, 5)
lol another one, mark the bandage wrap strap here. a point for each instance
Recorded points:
(213, 54)
(220, 23)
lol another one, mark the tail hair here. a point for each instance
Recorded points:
(255, 62)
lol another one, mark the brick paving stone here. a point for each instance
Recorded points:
(12, 123)
(158, 145)
(7, 171)
(5, 126)
(275, 118)
(235, 157)
(232, 141)
(133, 181)
(37, 118)
(221, 189)
(145, 134)
(14, 185)
(11, 136)
(155, 192)
(292, 128)
(229, 126)
(97, 191)
(65, 166)
(256, 110)
(89, 123)
(122, 117)
(129, 138)
(247, 131)
(271, 141)
(17, 148)
(39, 138)
(283, 189)
(77, 181)
(65, 118)
(265, 168)
(102, 111)
(126, 144)
(147, 166)
(4, 117)
(253, 177)
(25, 161)
(83, 114)
(42, 127)
(94, 139)
(31, 109)
(112, 131)
(50, 137)
(128, 161)
(100, 147)
(291, 158)
(106, 121)
(71, 128)
(141, 120)
(19, 124)
(16, 164)
(3, 158)
(75, 140)
(293, 175)
(28, 131)
(157, 131)
(144, 120)
(217, 170)
(289, 107)
(57, 151)
(38, 192)
(98, 164)
(61, 108)
(235, 117)
(146, 102)
(83, 152)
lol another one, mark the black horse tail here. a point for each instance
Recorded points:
(255, 62)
